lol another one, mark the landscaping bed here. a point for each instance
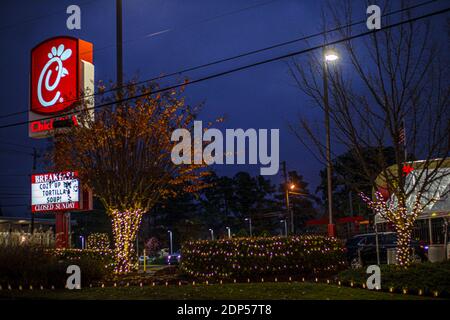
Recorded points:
(422, 278)
(34, 266)
(239, 291)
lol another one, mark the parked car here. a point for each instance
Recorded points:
(164, 252)
(174, 258)
(361, 249)
(141, 259)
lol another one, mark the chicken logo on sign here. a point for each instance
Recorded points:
(61, 69)
(56, 57)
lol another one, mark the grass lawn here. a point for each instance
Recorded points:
(252, 291)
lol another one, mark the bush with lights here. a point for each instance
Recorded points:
(32, 266)
(98, 241)
(103, 258)
(253, 258)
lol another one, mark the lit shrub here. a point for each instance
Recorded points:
(98, 241)
(253, 258)
(33, 265)
(95, 265)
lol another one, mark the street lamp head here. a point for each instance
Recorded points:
(292, 186)
(331, 55)
(246, 219)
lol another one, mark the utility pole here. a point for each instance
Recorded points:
(331, 230)
(119, 45)
(290, 214)
(34, 170)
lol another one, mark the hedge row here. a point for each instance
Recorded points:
(427, 277)
(253, 258)
(36, 266)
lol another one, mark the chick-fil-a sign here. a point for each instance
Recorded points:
(58, 76)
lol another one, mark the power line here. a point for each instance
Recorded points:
(189, 69)
(230, 71)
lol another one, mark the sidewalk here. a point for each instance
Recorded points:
(152, 268)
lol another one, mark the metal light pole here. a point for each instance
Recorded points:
(328, 57)
(170, 240)
(249, 225)
(212, 233)
(82, 242)
(377, 245)
(229, 232)
(285, 227)
(290, 213)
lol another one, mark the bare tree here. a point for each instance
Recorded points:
(391, 90)
(124, 155)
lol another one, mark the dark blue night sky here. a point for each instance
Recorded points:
(199, 31)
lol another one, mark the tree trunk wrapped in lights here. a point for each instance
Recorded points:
(388, 105)
(125, 226)
(124, 155)
(403, 221)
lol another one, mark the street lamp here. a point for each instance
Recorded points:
(285, 227)
(212, 233)
(170, 240)
(329, 56)
(82, 242)
(229, 232)
(250, 225)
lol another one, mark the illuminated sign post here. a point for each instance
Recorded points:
(61, 82)
(55, 192)
(61, 72)
(59, 192)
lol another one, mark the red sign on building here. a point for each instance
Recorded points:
(61, 69)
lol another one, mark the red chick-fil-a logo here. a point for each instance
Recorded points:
(54, 75)
(56, 56)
